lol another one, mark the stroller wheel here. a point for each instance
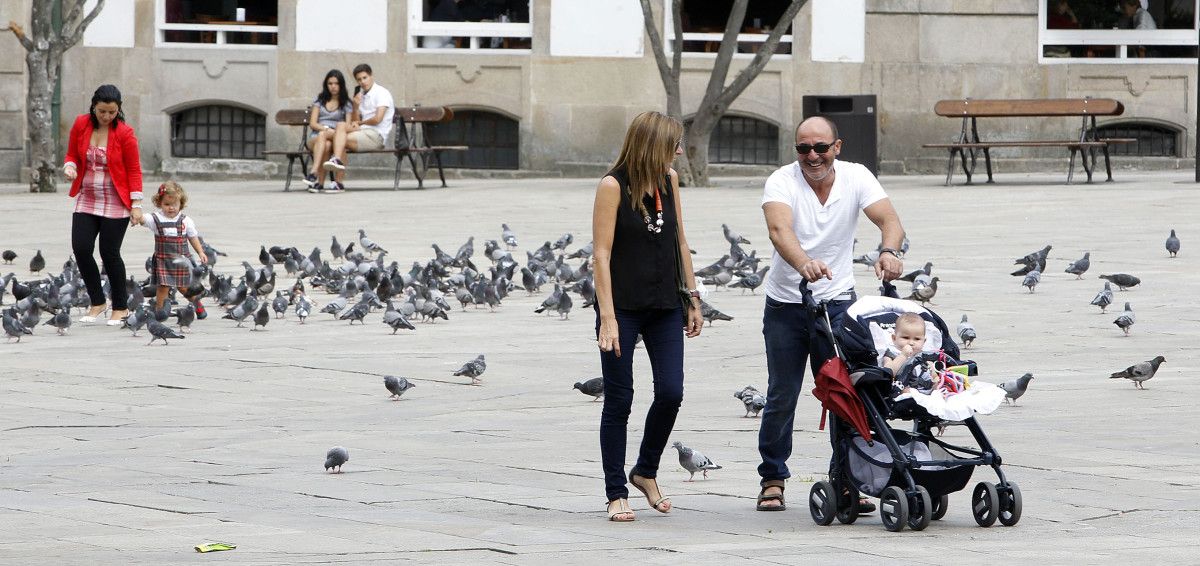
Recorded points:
(847, 508)
(939, 507)
(985, 504)
(822, 503)
(1010, 504)
(893, 509)
(920, 509)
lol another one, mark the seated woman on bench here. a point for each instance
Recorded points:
(331, 107)
(368, 129)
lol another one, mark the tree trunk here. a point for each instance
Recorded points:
(44, 48)
(697, 153)
(40, 94)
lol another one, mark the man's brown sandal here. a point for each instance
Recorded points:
(763, 497)
(656, 505)
(623, 513)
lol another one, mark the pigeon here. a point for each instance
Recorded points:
(9, 256)
(1036, 258)
(397, 386)
(136, 320)
(1104, 297)
(261, 317)
(279, 305)
(564, 306)
(925, 293)
(396, 319)
(753, 399)
(551, 303)
(473, 369)
(966, 332)
(508, 236)
(242, 311)
(733, 237)
(693, 461)
(751, 281)
(38, 263)
(564, 241)
(1122, 280)
(61, 321)
(335, 458)
(357, 312)
(593, 387)
(1014, 389)
(710, 314)
(1140, 372)
(1172, 246)
(304, 308)
(1126, 320)
(185, 316)
(160, 331)
(912, 275)
(1080, 266)
(13, 327)
(368, 244)
(336, 249)
(1032, 279)
(868, 258)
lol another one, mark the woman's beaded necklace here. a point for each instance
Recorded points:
(656, 225)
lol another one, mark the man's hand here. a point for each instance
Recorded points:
(888, 267)
(815, 269)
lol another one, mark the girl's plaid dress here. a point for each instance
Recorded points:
(167, 250)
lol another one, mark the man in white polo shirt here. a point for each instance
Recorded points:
(368, 130)
(811, 207)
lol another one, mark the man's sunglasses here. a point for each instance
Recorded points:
(803, 148)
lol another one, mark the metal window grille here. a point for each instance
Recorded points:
(217, 131)
(493, 139)
(1152, 140)
(741, 139)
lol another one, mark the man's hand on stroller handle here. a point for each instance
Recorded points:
(815, 269)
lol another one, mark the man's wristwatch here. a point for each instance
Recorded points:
(895, 252)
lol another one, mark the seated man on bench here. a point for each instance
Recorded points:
(374, 108)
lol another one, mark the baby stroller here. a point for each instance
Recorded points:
(912, 472)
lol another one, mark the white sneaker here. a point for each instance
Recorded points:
(333, 164)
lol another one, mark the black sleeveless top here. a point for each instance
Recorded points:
(643, 263)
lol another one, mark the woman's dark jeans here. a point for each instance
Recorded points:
(662, 335)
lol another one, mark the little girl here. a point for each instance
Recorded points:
(172, 233)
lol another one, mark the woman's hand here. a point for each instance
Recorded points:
(135, 217)
(694, 320)
(609, 339)
(69, 171)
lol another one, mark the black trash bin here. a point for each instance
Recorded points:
(857, 124)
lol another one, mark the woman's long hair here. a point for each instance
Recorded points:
(343, 98)
(105, 93)
(647, 153)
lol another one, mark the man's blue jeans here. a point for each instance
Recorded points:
(786, 328)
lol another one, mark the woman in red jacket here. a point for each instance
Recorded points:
(105, 171)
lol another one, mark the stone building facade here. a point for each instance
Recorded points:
(556, 91)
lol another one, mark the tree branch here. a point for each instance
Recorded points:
(656, 45)
(677, 26)
(15, 28)
(733, 26)
(72, 34)
(747, 75)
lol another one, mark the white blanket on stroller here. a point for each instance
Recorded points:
(980, 398)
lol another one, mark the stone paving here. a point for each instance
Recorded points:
(115, 452)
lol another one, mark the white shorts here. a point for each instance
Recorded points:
(367, 139)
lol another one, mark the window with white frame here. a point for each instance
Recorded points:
(217, 23)
(470, 25)
(1117, 31)
(704, 26)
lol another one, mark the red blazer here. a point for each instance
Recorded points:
(124, 162)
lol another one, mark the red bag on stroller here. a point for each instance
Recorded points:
(832, 386)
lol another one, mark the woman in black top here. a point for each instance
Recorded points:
(639, 242)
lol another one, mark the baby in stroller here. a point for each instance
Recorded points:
(904, 357)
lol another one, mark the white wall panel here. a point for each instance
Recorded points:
(839, 31)
(113, 27)
(358, 26)
(596, 28)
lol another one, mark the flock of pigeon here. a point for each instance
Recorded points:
(364, 284)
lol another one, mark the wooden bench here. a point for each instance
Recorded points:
(415, 127)
(970, 144)
(301, 153)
